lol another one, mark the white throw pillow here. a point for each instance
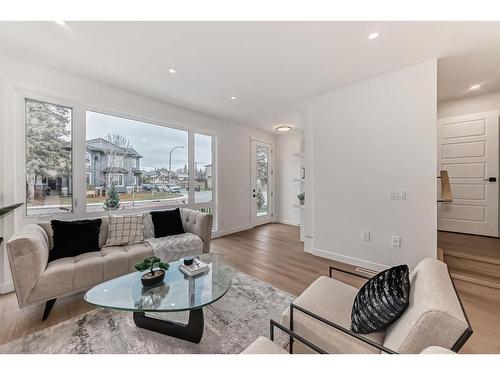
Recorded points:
(124, 230)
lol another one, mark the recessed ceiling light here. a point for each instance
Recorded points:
(284, 128)
(475, 87)
(233, 98)
(61, 23)
(373, 36)
(172, 71)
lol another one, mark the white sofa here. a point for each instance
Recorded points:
(36, 280)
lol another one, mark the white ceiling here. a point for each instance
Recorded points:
(270, 66)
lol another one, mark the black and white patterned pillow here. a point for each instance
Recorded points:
(381, 300)
(125, 230)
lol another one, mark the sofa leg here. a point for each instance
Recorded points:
(48, 307)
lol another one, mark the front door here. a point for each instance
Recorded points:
(468, 150)
(261, 189)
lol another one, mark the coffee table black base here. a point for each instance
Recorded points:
(192, 331)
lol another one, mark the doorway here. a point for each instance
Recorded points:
(468, 151)
(262, 194)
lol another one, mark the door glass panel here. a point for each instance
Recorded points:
(204, 179)
(262, 180)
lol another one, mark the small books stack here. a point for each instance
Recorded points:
(196, 268)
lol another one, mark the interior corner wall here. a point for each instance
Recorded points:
(232, 140)
(369, 139)
(287, 169)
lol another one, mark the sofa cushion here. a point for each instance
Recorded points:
(381, 300)
(72, 238)
(434, 316)
(264, 346)
(175, 247)
(103, 232)
(332, 300)
(167, 223)
(124, 230)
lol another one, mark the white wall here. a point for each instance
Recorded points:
(362, 142)
(287, 167)
(16, 74)
(474, 104)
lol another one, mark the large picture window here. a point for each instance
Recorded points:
(135, 164)
(48, 155)
(122, 164)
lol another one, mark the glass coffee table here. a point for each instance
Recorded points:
(177, 292)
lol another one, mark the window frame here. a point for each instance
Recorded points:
(23, 97)
(78, 135)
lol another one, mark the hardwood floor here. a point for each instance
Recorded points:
(474, 264)
(272, 253)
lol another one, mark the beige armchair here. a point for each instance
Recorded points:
(435, 317)
(265, 346)
(37, 281)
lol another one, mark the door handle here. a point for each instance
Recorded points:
(491, 179)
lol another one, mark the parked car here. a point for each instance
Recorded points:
(149, 187)
(173, 189)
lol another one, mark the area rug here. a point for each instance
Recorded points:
(231, 324)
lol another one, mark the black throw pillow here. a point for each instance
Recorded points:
(72, 238)
(381, 300)
(167, 223)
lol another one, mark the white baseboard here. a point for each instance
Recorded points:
(287, 222)
(6, 288)
(349, 260)
(225, 232)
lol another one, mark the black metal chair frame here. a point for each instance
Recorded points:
(294, 336)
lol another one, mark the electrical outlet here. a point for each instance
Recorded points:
(365, 235)
(396, 241)
(398, 195)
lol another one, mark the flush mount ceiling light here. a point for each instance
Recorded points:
(172, 70)
(61, 23)
(233, 98)
(475, 87)
(373, 36)
(284, 128)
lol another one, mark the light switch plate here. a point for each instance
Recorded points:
(365, 235)
(398, 195)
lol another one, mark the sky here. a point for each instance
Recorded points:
(153, 142)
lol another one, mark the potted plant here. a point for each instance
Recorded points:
(156, 267)
(301, 197)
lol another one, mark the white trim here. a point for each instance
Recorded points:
(287, 222)
(225, 232)
(80, 105)
(6, 288)
(349, 260)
